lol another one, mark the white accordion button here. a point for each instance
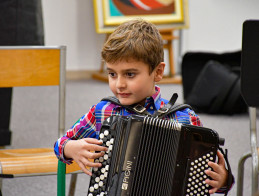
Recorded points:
(105, 157)
(96, 186)
(112, 140)
(110, 147)
(101, 159)
(101, 183)
(102, 177)
(106, 132)
(103, 170)
(91, 189)
(97, 179)
(108, 143)
(101, 136)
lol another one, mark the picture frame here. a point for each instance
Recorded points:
(171, 14)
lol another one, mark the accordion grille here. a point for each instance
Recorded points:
(156, 157)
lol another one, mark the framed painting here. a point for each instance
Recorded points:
(166, 14)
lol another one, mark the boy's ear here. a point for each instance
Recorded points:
(159, 71)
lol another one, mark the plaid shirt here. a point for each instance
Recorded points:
(90, 124)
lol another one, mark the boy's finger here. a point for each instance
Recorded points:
(94, 147)
(93, 141)
(92, 164)
(82, 166)
(213, 184)
(214, 166)
(95, 155)
(213, 190)
(212, 174)
(221, 160)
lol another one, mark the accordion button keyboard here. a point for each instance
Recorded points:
(99, 178)
(196, 181)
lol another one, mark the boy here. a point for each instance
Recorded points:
(134, 57)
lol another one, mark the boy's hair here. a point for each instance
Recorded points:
(135, 39)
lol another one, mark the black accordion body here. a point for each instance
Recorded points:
(151, 156)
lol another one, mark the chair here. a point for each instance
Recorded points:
(250, 92)
(33, 66)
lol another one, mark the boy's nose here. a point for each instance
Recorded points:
(121, 83)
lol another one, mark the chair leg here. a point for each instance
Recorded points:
(61, 179)
(1, 186)
(72, 187)
(254, 174)
(240, 177)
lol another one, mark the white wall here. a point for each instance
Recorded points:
(215, 25)
(71, 23)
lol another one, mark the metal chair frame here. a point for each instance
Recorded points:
(253, 154)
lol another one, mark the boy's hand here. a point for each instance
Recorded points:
(219, 174)
(80, 151)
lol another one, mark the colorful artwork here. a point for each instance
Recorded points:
(141, 7)
(165, 13)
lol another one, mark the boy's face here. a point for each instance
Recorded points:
(131, 82)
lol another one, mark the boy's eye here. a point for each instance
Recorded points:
(112, 74)
(130, 74)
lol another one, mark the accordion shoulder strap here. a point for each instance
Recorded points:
(170, 107)
(230, 180)
(174, 108)
(139, 109)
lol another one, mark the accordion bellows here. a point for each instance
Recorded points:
(151, 156)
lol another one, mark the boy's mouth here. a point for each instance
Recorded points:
(124, 95)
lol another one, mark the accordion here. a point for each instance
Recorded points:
(152, 156)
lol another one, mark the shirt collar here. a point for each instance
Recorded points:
(155, 99)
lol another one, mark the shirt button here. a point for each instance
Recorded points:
(151, 107)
